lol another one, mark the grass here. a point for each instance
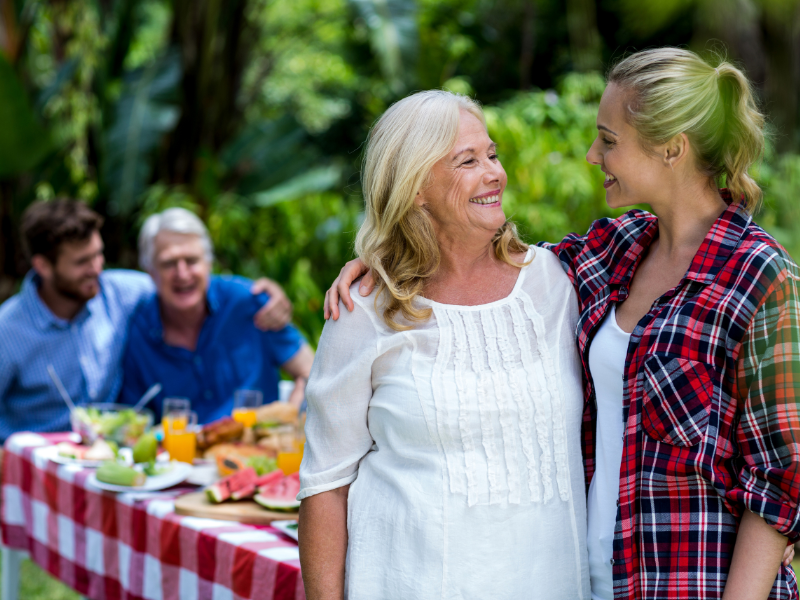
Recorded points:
(36, 584)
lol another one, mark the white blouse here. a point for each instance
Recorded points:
(461, 441)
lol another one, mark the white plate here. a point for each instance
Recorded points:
(287, 527)
(179, 472)
(51, 453)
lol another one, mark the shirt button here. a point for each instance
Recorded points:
(198, 361)
(209, 394)
(617, 501)
(612, 562)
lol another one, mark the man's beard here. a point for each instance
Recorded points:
(72, 289)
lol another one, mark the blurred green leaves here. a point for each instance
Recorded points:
(393, 36)
(23, 142)
(125, 103)
(146, 110)
(542, 139)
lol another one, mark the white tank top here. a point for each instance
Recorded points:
(606, 364)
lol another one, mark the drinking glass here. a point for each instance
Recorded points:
(245, 403)
(174, 409)
(292, 444)
(183, 437)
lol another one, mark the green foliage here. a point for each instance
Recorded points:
(112, 82)
(24, 141)
(542, 141)
(780, 179)
(301, 66)
(145, 111)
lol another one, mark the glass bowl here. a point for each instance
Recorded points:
(112, 422)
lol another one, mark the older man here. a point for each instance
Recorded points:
(195, 336)
(73, 315)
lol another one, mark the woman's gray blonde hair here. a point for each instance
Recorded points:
(177, 220)
(675, 91)
(397, 239)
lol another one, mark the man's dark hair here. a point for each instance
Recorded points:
(46, 225)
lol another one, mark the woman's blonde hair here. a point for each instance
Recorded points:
(675, 91)
(397, 239)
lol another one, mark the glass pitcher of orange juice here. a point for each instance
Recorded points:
(183, 438)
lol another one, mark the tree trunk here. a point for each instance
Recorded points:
(9, 242)
(214, 41)
(528, 45)
(781, 28)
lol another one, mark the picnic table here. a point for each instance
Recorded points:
(131, 546)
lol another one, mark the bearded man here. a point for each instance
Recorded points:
(73, 315)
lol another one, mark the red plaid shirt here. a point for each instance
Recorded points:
(712, 384)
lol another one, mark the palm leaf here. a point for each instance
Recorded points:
(144, 113)
(393, 37)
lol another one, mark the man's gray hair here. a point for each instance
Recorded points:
(176, 220)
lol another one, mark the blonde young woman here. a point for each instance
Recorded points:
(689, 336)
(443, 457)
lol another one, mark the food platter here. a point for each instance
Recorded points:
(196, 504)
(52, 453)
(177, 474)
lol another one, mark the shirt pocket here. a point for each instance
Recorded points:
(677, 396)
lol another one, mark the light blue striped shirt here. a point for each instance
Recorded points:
(86, 352)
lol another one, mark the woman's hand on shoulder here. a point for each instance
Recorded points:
(340, 289)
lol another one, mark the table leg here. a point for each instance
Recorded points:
(12, 561)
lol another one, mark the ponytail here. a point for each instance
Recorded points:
(744, 129)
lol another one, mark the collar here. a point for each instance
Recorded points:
(625, 267)
(42, 316)
(720, 241)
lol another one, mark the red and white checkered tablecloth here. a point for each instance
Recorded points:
(133, 546)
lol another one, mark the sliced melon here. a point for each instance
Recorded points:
(281, 504)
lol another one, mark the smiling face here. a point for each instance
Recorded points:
(633, 176)
(76, 272)
(180, 270)
(466, 195)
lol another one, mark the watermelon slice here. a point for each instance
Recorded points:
(245, 492)
(280, 494)
(268, 478)
(236, 483)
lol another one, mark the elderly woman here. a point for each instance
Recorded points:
(443, 456)
(196, 335)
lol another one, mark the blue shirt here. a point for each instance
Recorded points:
(86, 352)
(231, 353)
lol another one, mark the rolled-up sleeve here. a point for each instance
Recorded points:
(339, 392)
(768, 377)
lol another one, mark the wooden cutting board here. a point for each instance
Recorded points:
(242, 511)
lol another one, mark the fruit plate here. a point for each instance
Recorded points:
(51, 453)
(286, 527)
(178, 473)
